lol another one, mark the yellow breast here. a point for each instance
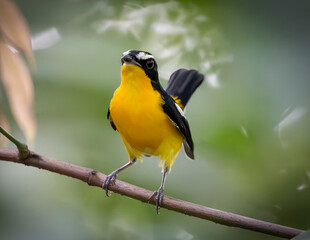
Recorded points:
(138, 116)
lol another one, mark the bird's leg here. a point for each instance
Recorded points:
(159, 194)
(110, 179)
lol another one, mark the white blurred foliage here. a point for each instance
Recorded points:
(167, 29)
(184, 235)
(305, 184)
(244, 131)
(177, 35)
(213, 81)
(291, 117)
(98, 8)
(122, 26)
(302, 186)
(45, 39)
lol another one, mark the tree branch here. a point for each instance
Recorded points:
(95, 178)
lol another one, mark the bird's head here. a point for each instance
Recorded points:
(143, 60)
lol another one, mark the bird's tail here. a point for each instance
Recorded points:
(182, 84)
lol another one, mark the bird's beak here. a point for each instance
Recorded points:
(129, 60)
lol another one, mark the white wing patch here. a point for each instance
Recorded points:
(180, 109)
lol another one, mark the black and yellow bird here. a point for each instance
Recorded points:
(149, 119)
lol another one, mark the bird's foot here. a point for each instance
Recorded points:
(110, 180)
(159, 194)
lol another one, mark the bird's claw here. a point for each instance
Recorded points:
(110, 180)
(159, 194)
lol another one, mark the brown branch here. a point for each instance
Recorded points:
(95, 178)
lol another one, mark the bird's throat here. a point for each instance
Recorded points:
(134, 77)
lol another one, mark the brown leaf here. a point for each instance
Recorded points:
(19, 89)
(14, 28)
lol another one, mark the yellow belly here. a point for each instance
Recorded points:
(138, 116)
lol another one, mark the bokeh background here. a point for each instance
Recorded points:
(249, 119)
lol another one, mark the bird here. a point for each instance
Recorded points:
(149, 118)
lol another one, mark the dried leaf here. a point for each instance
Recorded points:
(14, 28)
(19, 89)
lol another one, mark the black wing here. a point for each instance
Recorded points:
(110, 119)
(176, 115)
(183, 83)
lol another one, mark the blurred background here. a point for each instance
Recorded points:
(249, 119)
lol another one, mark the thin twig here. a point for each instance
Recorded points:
(22, 148)
(95, 178)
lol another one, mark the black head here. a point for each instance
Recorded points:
(142, 59)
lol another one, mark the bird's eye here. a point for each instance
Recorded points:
(150, 64)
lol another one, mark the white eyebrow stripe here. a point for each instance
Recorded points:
(144, 56)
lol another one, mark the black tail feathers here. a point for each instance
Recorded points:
(183, 83)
